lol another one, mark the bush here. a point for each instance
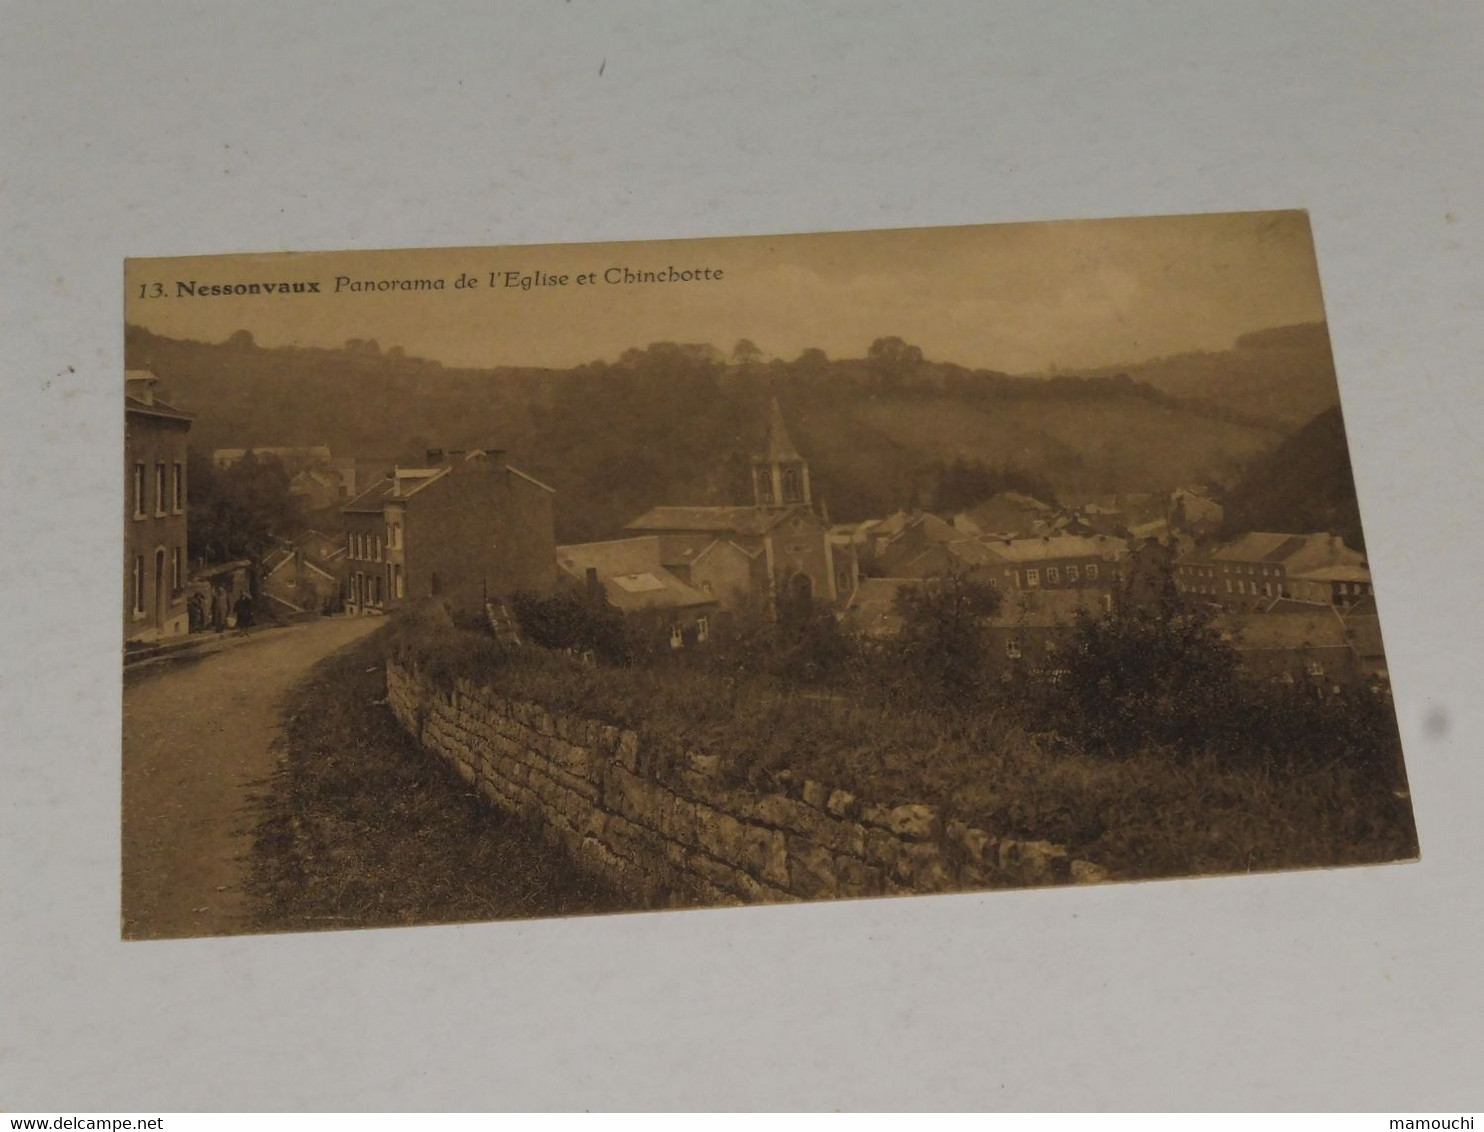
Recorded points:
(944, 643)
(1160, 678)
(577, 622)
(424, 636)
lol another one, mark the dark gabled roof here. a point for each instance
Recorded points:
(631, 574)
(1260, 546)
(371, 499)
(720, 520)
(1321, 629)
(156, 408)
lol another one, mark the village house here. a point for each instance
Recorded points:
(1263, 565)
(1059, 562)
(156, 569)
(293, 457)
(1308, 647)
(780, 545)
(630, 574)
(467, 527)
(1026, 633)
(1010, 514)
(304, 574)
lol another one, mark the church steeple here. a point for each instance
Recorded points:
(780, 476)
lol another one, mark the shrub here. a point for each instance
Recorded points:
(577, 622)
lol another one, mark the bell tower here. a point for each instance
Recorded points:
(780, 476)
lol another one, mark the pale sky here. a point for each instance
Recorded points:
(1019, 298)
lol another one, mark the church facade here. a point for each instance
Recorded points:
(776, 547)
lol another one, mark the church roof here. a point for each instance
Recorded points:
(780, 448)
(735, 520)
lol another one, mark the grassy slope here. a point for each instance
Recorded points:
(360, 828)
(1142, 816)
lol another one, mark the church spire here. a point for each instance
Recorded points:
(780, 476)
(780, 448)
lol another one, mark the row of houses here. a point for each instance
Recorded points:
(469, 527)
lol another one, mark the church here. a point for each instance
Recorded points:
(746, 555)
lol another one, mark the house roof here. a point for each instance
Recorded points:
(1057, 546)
(371, 499)
(1340, 573)
(631, 574)
(1260, 546)
(872, 607)
(731, 520)
(1251, 632)
(513, 470)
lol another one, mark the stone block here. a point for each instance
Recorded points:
(915, 822)
(708, 765)
(923, 869)
(627, 750)
(841, 803)
(817, 794)
(1034, 862)
(1085, 872)
(811, 870)
(882, 849)
(856, 878)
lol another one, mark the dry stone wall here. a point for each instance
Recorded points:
(673, 832)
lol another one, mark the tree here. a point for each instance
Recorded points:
(241, 340)
(235, 512)
(746, 353)
(812, 362)
(892, 361)
(944, 640)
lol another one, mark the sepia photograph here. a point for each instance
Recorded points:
(502, 583)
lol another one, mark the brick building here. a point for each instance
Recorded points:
(467, 527)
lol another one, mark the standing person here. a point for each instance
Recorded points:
(243, 609)
(218, 608)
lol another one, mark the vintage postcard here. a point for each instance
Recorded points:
(483, 583)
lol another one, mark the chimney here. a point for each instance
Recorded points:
(435, 457)
(140, 385)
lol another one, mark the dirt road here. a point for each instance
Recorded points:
(197, 744)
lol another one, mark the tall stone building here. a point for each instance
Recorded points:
(156, 569)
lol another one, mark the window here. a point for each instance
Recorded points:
(1032, 578)
(677, 636)
(1053, 575)
(138, 491)
(791, 485)
(178, 488)
(376, 589)
(1267, 588)
(1228, 585)
(1314, 668)
(1012, 648)
(177, 583)
(1092, 572)
(139, 571)
(703, 629)
(160, 487)
(765, 484)
(1072, 574)
(397, 583)
(376, 547)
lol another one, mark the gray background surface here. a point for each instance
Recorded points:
(155, 129)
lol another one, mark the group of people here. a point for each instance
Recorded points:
(221, 613)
